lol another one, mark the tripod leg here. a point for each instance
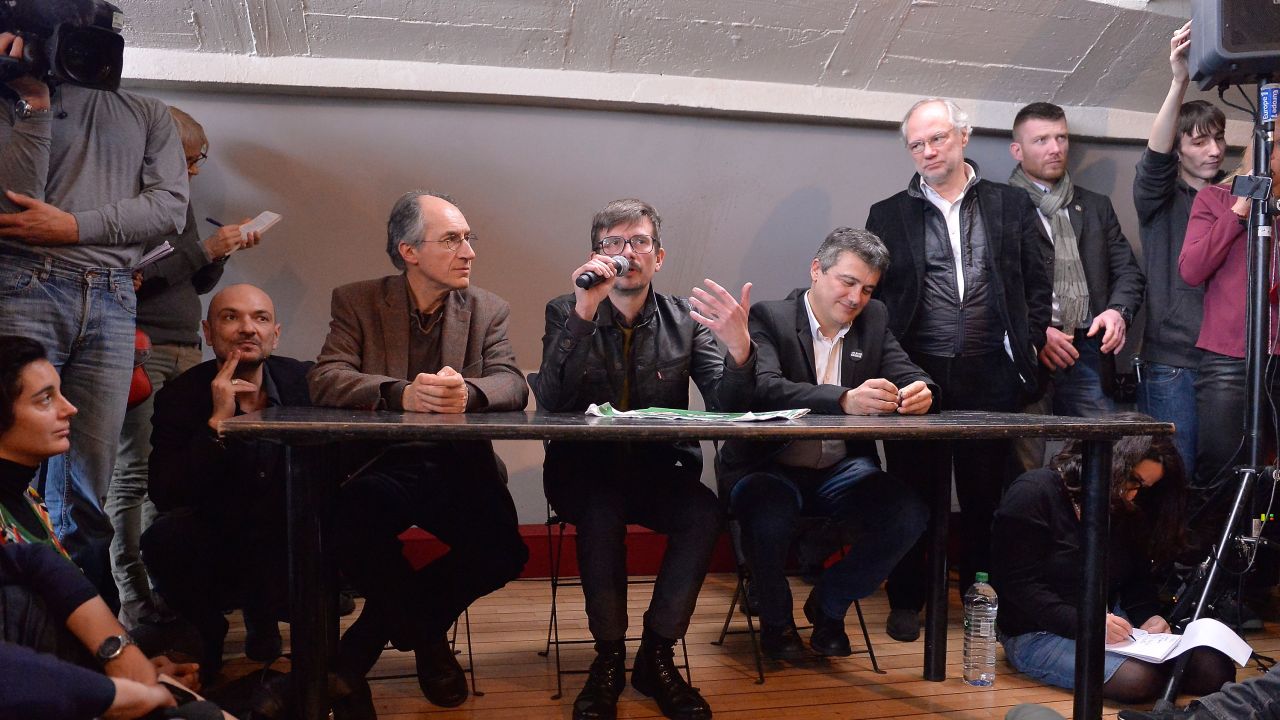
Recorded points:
(1244, 491)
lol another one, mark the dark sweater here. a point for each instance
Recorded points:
(1174, 308)
(34, 686)
(168, 300)
(1036, 560)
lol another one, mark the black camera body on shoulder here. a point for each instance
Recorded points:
(72, 41)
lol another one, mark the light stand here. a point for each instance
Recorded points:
(1257, 350)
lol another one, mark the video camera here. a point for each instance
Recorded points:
(73, 41)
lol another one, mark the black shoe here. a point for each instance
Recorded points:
(346, 603)
(605, 681)
(829, 638)
(903, 625)
(656, 676)
(781, 643)
(351, 698)
(212, 634)
(439, 675)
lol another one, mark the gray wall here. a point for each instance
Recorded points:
(741, 200)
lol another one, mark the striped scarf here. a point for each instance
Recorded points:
(1070, 289)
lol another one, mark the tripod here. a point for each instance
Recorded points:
(1257, 349)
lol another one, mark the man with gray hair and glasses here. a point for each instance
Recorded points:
(423, 341)
(827, 348)
(621, 342)
(969, 298)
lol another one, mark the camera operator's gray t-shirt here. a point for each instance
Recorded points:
(112, 159)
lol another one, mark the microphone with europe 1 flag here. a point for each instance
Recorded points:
(590, 279)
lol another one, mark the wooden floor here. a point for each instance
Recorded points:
(509, 628)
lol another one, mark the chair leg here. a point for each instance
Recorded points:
(471, 657)
(554, 566)
(866, 637)
(754, 637)
(554, 626)
(733, 605)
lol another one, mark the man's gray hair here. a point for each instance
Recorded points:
(959, 118)
(406, 224)
(863, 243)
(627, 210)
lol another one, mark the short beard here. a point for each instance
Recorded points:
(632, 290)
(245, 368)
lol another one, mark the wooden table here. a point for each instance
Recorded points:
(310, 436)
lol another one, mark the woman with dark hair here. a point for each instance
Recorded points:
(35, 423)
(53, 623)
(1036, 560)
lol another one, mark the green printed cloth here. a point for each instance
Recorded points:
(657, 413)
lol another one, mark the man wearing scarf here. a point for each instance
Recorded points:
(1097, 285)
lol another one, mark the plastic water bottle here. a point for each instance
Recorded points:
(980, 604)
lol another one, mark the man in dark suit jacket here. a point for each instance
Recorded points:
(424, 341)
(829, 349)
(220, 538)
(1097, 285)
(969, 299)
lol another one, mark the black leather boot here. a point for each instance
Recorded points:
(605, 681)
(829, 638)
(656, 675)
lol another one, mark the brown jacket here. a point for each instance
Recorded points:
(368, 345)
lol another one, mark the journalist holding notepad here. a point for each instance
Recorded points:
(1036, 560)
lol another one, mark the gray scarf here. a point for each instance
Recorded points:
(1070, 289)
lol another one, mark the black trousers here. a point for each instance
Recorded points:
(203, 565)
(455, 491)
(982, 467)
(600, 492)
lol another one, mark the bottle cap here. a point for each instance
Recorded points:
(980, 577)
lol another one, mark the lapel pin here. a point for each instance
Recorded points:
(855, 354)
(1079, 209)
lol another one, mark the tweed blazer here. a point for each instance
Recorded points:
(368, 346)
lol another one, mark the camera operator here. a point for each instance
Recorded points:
(87, 177)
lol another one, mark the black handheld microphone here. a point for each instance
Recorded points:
(589, 279)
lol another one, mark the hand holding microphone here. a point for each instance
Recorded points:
(590, 278)
(594, 280)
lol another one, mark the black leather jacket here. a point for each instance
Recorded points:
(583, 363)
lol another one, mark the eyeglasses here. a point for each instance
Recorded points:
(452, 241)
(614, 245)
(197, 160)
(937, 142)
(1136, 485)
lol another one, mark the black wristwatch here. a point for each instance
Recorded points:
(1125, 313)
(112, 647)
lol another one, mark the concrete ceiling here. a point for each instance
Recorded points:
(1109, 55)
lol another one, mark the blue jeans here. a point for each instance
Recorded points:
(128, 506)
(885, 513)
(84, 317)
(1168, 394)
(1075, 391)
(1050, 658)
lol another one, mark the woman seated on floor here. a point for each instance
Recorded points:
(1036, 561)
(52, 621)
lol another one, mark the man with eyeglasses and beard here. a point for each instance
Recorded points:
(621, 342)
(969, 298)
(423, 341)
